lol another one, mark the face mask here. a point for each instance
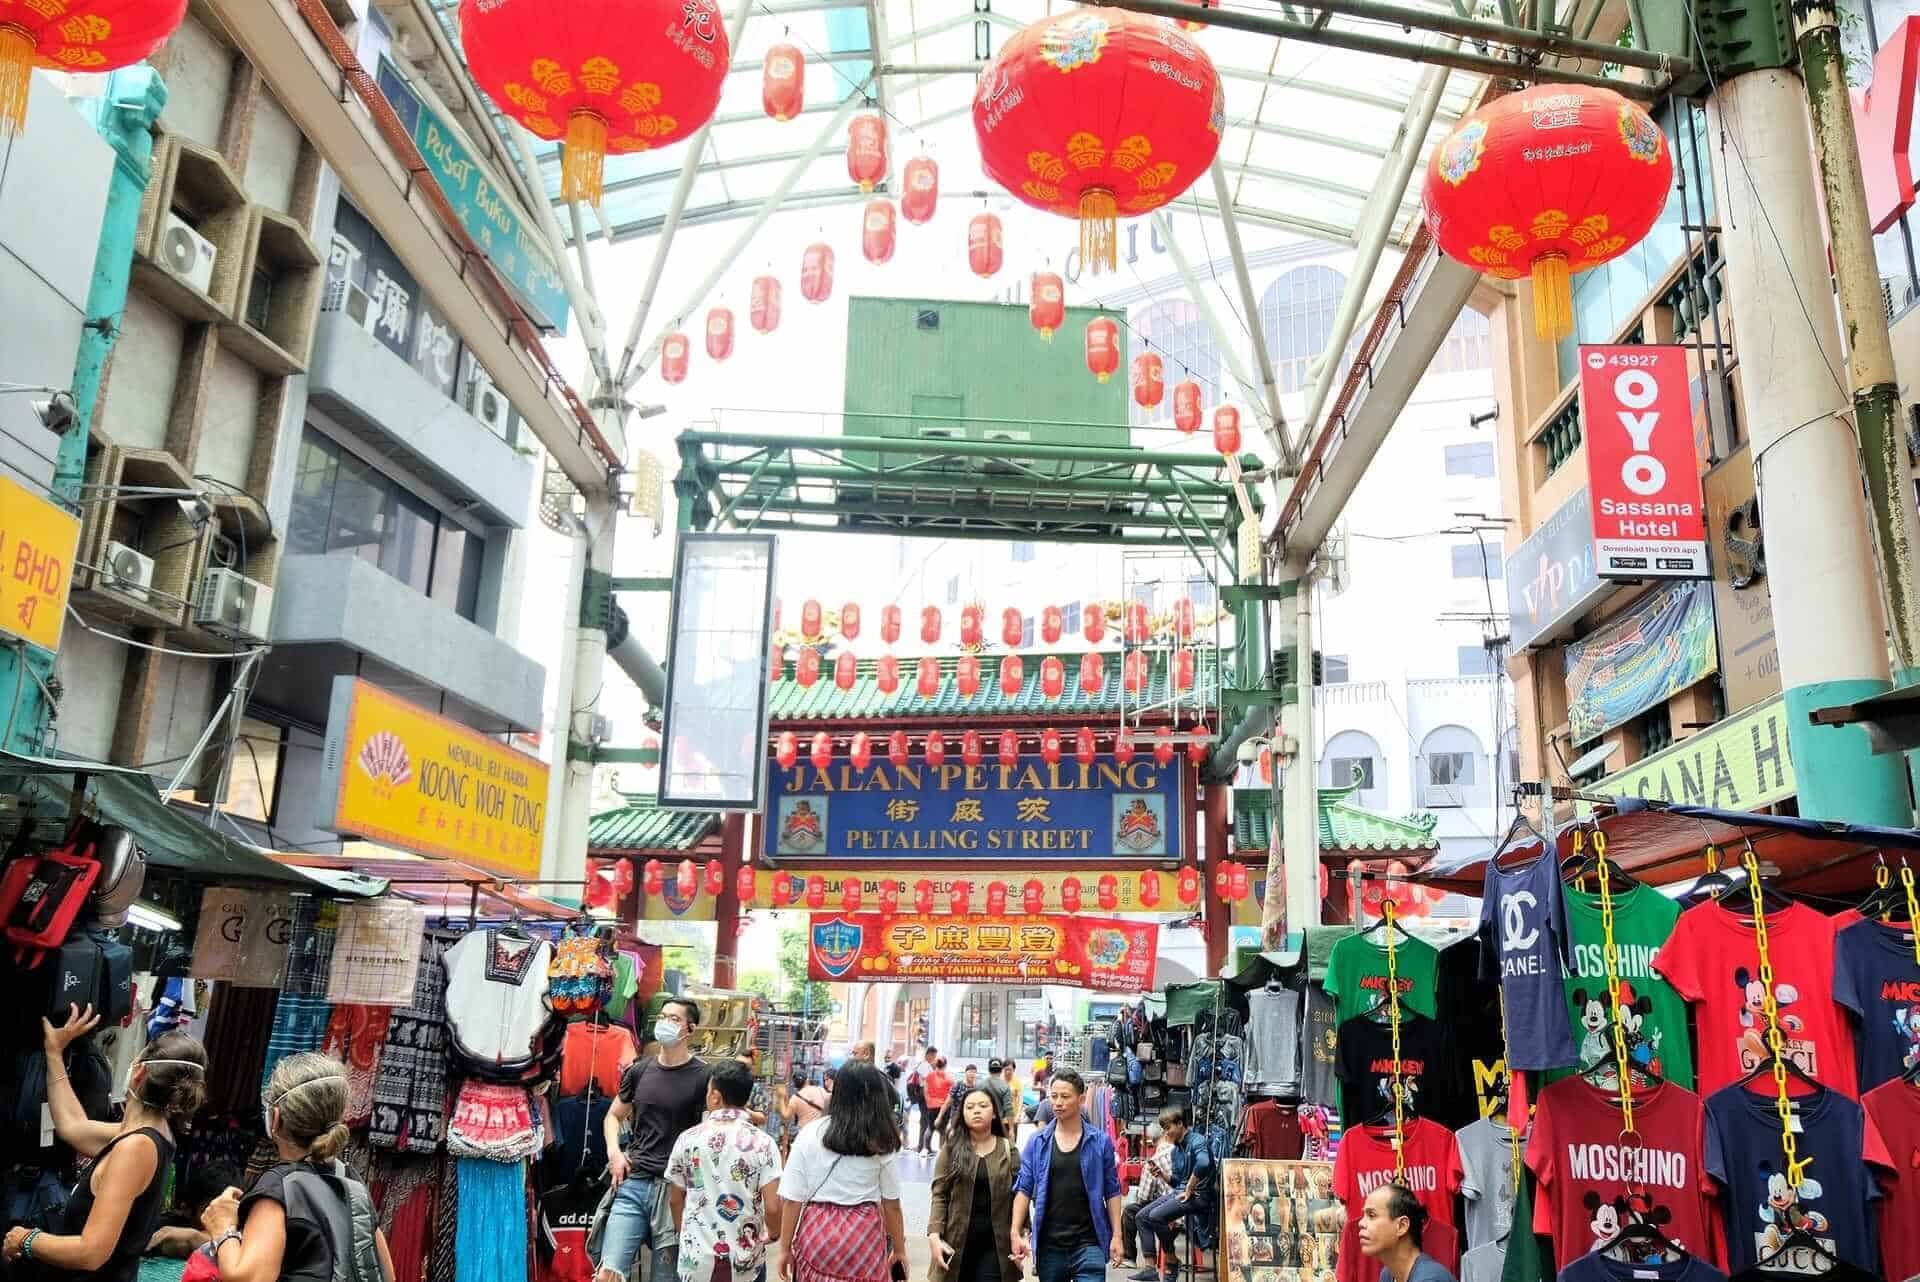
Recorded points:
(666, 1032)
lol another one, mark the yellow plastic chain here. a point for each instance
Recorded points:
(1393, 1017)
(1610, 953)
(1913, 909)
(1796, 1169)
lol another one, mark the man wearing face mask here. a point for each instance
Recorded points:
(660, 1097)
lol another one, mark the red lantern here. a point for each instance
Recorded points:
(850, 621)
(971, 752)
(786, 749)
(1103, 347)
(1163, 745)
(1197, 746)
(957, 898)
(1149, 380)
(1133, 672)
(1047, 310)
(1548, 181)
(966, 675)
(970, 625)
(653, 878)
(845, 670)
(810, 619)
(720, 333)
(928, 680)
(936, 748)
(1013, 676)
(1093, 674)
(867, 150)
(1137, 623)
(1186, 406)
(923, 896)
(890, 623)
(99, 36)
(1183, 669)
(1052, 624)
(806, 668)
(886, 674)
(1033, 896)
(821, 753)
(1093, 623)
(984, 248)
(1050, 746)
(816, 891)
(1009, 749)
(1226, 430)
(876, 230)
(860, 750)
(782, 890)
(763, 305)
(850, 895)
(919, 189)
(609, 79)
(686, 879)
(1237, 884)
(1070, 895)
(1083, 746)
(816, 272)
(673, 358)
(1183, 618)
(1187, 884)
(1013, 629)
(1123, 747)
(1107, 892)
(996, 897)
(897, 747)
(716, 877)
(930, 624)
(1095, 113)
(889, 898)
(1053, 677)
(783, 82)
(1150, 889)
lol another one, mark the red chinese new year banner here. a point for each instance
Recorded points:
(1103, 953)
(1649, 521)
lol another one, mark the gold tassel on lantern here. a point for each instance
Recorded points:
(1552, 298)
(16, 79)
(1099, 230)
(583, 166)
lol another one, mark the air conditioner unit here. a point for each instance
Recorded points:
(127, 571)
(187, 254)
(485, 402)
(234, 606)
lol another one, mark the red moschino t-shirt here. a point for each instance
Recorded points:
(1593, 1179)
(1430, 1168)
(1712, 961)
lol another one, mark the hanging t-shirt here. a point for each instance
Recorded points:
(1712, 961)
(1486, 1159)
(1470, 1008)
(1365, 1065)
(1431, 1169)
(1894, 1109)
(1744, 1155)
(1524, 918)
(1594, 1267)
(1876, 977)
(1273, 1041)
(1357, 973)
(1322, 1084)
(1591, 1183)
(1656, 1017)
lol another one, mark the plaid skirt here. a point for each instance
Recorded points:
(840, 1244)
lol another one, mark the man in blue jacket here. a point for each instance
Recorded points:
(1192, 1181)
(1070, 1179)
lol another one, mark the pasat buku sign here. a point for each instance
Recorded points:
(1649, 521)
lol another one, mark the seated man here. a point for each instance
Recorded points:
(1154, 1176)
(1192, 1178)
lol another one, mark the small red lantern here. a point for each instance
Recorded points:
(845, 670)
(850, 895)
(1133, 672)
(1093, 672)
(1009, 749)
(1186, 406)
(806, 668)
(821, 753)
(1198, 745)
(816, 891)
(919, 189)
(782, 890)
(1183, 669)
(1150, 889)
(1163, 745)
(860, 750)
(1052, 624)
(923, 896)
(653, 878)
(984, 249)
(936, 748)
(1103, 347)
(1047, 310)
(957, 898)
(720, 333)
(971, 751)
(877, 230)
(966, 675)
(850, 621)
(996, 897)
(786, 749)
(867, 150)
(686, 879)
(1070, 894)
(1149, 380)
(1053, 677)
(810, 619)
(890, 623)
(889, 898)
(1123, 747)
(1187, 884)
(1107, 892)
(1183, 618)
(930, 624)
(897, 747)
(1093, 623)
(816, 272)
(1083, 746)
(970, 625)
(673, 358)
(783, 82)
(716, 877)
(1226, 430)
(763, 305)
(1138, 629)
(1033, 896)
(928, 680)
(1013, 676)
(1237, 883)
(886, 674)
(1013, 629)
(1050, 746)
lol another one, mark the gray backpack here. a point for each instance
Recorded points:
(334, 1198)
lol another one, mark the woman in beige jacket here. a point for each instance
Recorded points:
(970, 1224)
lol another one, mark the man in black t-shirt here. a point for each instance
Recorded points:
(660, 1097)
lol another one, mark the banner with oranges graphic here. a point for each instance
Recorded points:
(1103, 953)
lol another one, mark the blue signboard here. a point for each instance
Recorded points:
(1029, 812)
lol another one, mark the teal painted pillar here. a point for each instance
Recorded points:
(125, 117)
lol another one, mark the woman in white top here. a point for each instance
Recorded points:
(843, 1220)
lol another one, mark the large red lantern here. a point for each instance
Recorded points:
(1012, 628)
(716, 877)
(1052, 624)
(1183, 669)
(1093, 623)
(90, 36)
(610, 79)
(1070, 894)
(876, 230)
(936, 748)
(720, 333)
(1137, 623)
(810, 619)
(867, 150)
(1547, 182)
(786, 749)
(985, 249)
(816, 272)
(763, 306)
(1107, 892)
(971, 625)
(930, 624)
(845, 670)
(927, 679)
(1186, 406)
(816, 891)
(673, 358)
(1149, 380)
(1133, 672)
(1050, 746)
(1123, 747)
(1186, 886)
(889, 623)
(923, 896)
(971, 752)
(653, 880)
(996, 897)
(1033, 895)
(897, 748)
(1226, 430)
(966, 675)
(1009, 749)
(886, 674)
(686, 879)
(919, 189)
(850, 621)
(1093, 674)
(806, 668)
(1096, 113)
(821, 753)
(1013, 676)
(1163, 746)
(1047, 304)
(783, 82)
(1083, 746)
(1053, 677)
(1150, 889)
(860, 750)
(1103, 347)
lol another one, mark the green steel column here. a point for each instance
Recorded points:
(124, 116)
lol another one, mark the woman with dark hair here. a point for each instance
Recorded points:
(842, 1222)
(969, 1227)
(1391, 1224)
(108, 1221)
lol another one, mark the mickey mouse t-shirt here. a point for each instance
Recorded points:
(1876, 977)
(1713, 962)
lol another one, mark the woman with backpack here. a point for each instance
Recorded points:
(109, 1219)
(300, 1214)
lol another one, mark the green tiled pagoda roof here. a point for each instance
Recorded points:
(824, 701)
(643, 825)
(1344, 824)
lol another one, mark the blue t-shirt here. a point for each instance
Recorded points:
(1594, 1267)
(1876, 977)
(1524, 921)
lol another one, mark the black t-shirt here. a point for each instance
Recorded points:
(1069, 1225)
(666, 1102)
(309, 1251)
(1365, 1066)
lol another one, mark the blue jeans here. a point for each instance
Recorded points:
(641, 1216)
(1160, 1217)
(1088, 1264)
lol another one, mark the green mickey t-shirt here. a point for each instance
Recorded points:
(1643, 919)
(1357, 974)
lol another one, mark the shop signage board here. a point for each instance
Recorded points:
(1281, 1220)
(1030, 812)
(37, 539)
(397, 774)
(1743, 763)
(1105, 953)
(1550, 577)
(906, 882)
(1643, 475)
(1658, 648)
(517, 248)
(1742, 600)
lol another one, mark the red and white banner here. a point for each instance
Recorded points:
(1649, 520)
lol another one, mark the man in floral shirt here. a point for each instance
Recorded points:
(724, 1175)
